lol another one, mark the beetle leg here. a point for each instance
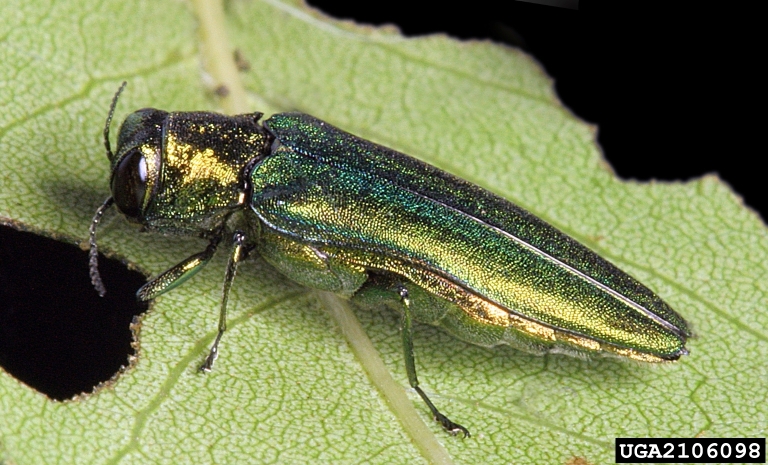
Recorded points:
(179, 273)
(238, 254)
(410, 366)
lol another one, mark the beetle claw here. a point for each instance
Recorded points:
(451, 427)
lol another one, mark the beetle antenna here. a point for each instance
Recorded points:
(93, 254)
(109, 119)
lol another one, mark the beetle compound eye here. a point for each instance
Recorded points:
(129, 183)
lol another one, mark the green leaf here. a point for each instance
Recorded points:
(288, 387)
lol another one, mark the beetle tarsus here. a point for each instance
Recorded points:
(213, 354)
(450, 426)
(239, 251)
(410, 364)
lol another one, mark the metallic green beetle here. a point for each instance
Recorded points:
(335, 212)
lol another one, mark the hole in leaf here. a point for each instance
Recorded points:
(56, 334)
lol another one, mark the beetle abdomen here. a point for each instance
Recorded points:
(384, 208)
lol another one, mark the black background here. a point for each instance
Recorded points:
(673, 88)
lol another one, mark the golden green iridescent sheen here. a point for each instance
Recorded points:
(332, 190)
(338, 213)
